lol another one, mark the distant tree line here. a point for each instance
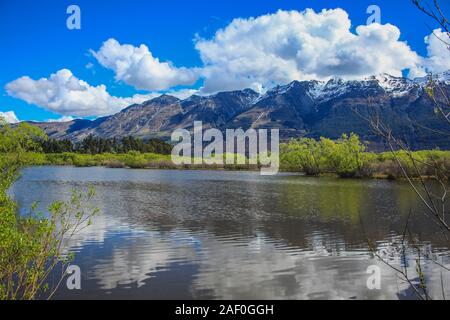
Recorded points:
(94, 145)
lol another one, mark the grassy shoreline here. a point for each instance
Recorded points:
(371, 166)
(131, 160)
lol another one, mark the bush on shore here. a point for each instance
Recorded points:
(347, 158)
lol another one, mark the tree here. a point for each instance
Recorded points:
(305, 154)
(347, 156)
(32, 246)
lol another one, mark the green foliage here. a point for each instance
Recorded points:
(23, 137)
(346, 157)
(31, 246)
(419, 163)
(304, 154)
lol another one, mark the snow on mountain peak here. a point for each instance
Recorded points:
(443, 77)
(397, 86)
(322, 91)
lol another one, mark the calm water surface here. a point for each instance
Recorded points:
(236, 235)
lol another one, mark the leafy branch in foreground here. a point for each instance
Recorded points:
(32, 246)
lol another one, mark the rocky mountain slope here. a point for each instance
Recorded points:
(307, 108)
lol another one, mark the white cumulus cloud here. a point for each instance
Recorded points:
(62, 119)
(9, 116)
(438, 55)
(138, 67)
(290, 45)
(65, 94)
(438, 51)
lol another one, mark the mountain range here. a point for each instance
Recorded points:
(298, 109)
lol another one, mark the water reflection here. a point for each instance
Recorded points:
(234, 235)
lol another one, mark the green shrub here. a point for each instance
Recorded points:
(83, 161)
(346, 157)
(32, 246)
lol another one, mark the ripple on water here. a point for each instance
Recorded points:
(233, 235)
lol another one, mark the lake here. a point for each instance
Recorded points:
(237, 235)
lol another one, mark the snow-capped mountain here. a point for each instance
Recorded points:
(300, 108)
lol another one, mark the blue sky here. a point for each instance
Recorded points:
(36, 42)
